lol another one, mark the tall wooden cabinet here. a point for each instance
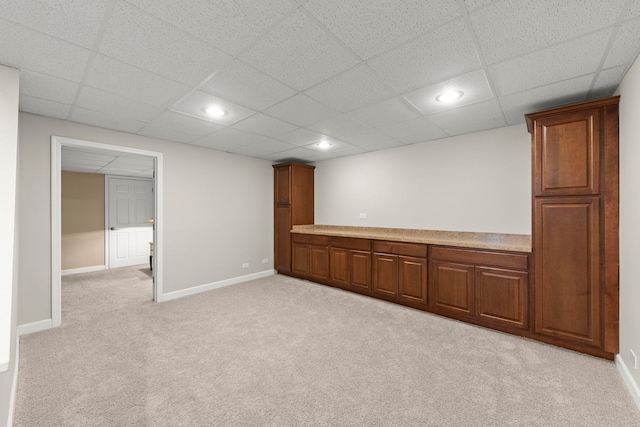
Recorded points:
(575, 224)
(293, 205)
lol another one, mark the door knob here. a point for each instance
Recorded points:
(112, 228)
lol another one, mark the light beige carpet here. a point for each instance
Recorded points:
(285, 352)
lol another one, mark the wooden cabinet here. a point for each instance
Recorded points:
(310, 256)
(575, 224)
(489, 288)
(293, 205)
(400, 271)
(350, 263)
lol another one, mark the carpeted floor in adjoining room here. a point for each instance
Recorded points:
(285, 352)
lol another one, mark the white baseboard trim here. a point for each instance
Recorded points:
(29, 328)
(14, 384)
(83, 270)
(210, 286)
(629, 381)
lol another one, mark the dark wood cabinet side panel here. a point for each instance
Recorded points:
(567, 276)
(502, 296)
(385, 274)
(452, 288)
(319, 262)
(360, 263)
(300, 259)
(412, 279)
(339, 266)
(282, 238)
(568, 154)
(611, 215)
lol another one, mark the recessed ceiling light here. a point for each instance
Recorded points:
(323, 145)
(449, 96)
(215, 111)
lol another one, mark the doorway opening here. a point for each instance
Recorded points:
(142, 167)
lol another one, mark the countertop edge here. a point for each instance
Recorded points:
(474, 241)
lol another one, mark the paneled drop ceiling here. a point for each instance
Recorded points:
(360, 74)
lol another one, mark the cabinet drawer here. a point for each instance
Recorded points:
(397, 248)
(310, 239)
(495, 259)
(351, 243)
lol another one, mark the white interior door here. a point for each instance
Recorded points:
(130, 209)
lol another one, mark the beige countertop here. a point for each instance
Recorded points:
(497, 241)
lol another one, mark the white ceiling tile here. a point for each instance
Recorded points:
(263, 124)
(607, 81)
(77, 168)
(272, 145)
(352, 89)
(370, 27)
(47, 87)
(131, 82)
(562, 62)
(371, 139)
(301, 110)
(251, 151)
(438, 55)
(337, 126)
(413, 131)
(633, 11)
(300, 154)
(473, 85)
(25, 48)
(336, 146)
(302, 136)
(481, 112)
(515, 106)
(75, 155)
(183, 123)
(132, 160)
(625, 46)
(44, 107)
(244, 85)
(230, 25)
(299, 53)
(139, 39)
(195, 103)
(95, 118)
(347, 152)
(75, 21)
(220, 141)
(383, 113)
(509, 28)
(168, 134)
(228, 139)
(474, 4)
(464, 128)
(99, 100)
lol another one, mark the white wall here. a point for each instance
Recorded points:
(630, 217)
(9, 87)
(218, 211)
(475, 182)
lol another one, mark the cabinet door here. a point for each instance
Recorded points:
(360, 262)
(283, 185)
(412, 279)
(567, 272)
(501, 296)
(567, 154)
(300, 259)
(282, 238)
(385, 274)
(452, 288)
(319, 262)
(339, 267)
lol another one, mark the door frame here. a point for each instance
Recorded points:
(57, 142)
(107, 258)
